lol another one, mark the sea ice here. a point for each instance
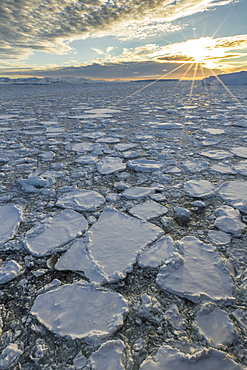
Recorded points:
(78, 259)
(115, 240)
(79, 361)
(10, 218)
(145, 165)
(182, 213)
(81, 200)
(199, 188)
(219, 237)
(235, 194)
(216, 326)
(55, 232)
(223, 168)
(87, 147)
(229, 221)
(199, 276)
(9, 271)
(10, 356)
(125, 146)
(47, 156)
(214, 131)
(167, 126)
(148, 210)
(157, 254)
(87, 159)
(241, 168)
(109, 356)
(240, 151)
(80, 311)
(35, 184)
(108, 139)
(169, 358)
(174, 318)
(137, 192)
(108, 165)
(195, 165)
(216, 154)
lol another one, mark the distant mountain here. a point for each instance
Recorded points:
(237, 78)
(43, 81)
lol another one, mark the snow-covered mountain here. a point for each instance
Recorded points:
(237, 78)
(43, 81)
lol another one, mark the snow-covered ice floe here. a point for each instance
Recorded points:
(207, 359)
(88, 313)
(10, 218)
(198, 274)
(55, 232)
(81, 200)
(115, 240)
(235, 193)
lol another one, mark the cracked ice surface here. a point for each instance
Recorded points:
(235, 193)
(216, 326)
(108, 356)
(88, 313)
(169, 358)
(199, 276)
(52, 139)
(116, 239)
(55, 232)
(229, 221)
(198, 188)
(81, 200)
(108, 165)
(10, 218)
(148, 210)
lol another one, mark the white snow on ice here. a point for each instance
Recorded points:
(88, 313)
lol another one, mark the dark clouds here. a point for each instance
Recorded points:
(127, 70)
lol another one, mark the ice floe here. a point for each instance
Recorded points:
(55, 232)
(78, 259)
(115, 240)
(109, 356)
(137, 192)
(167, 126)
(195, 166)
(219, 237)
(216, 326)
(145, 165)
(229, 221)
(241, 168)
(240, 151)
(223, 168)
(207, 359)
(148, 210)
(89, 313)
(235, 194)
(10, 356)
(10, 218)
(81, 200)
(157, 254)
(198, 275)
(108, 165)
(216, 154)
(9, 271)
(199, 188)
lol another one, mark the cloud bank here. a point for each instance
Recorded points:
(50, 25)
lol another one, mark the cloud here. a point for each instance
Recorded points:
(111, 71)
(205, 50)
(50, 26)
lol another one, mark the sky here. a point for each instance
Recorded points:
(122, 39)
